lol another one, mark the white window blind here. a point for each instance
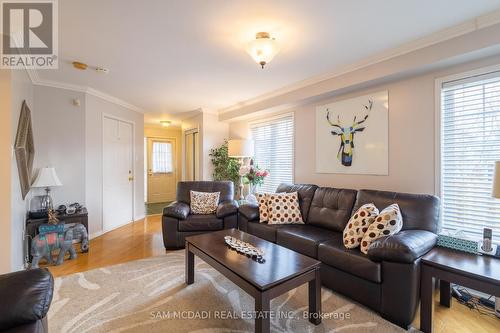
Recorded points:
(274, 150)
(162, 157)
(470, 145)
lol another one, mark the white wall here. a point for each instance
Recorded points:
(411, 135)
(59, 130)
(69, 138)
(95, 109)
(5, 171)
(15, 87)
(22, 89)
(214, 133)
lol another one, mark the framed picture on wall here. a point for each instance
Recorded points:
(352, 135)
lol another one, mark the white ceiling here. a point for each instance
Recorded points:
(170, 57)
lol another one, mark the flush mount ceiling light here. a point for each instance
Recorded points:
(165, 123)
(263, 48)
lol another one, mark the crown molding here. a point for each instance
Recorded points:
(114, 100)
(36, 80)
(463, 28)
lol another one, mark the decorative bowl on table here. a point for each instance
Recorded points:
(243, 247)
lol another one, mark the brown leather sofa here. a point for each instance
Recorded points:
(178, 223)
(26, 298)
(386, 280)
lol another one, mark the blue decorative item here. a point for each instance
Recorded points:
(50, 228)
(458, 241)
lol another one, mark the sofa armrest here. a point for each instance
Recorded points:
(26, 297)
(177, 210)
(405, 246)
(250, 211)
(226, 208)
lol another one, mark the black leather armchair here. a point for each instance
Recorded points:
(26, 298)
(178, 223)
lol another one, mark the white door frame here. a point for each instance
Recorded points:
(184, 134)
(146, 167)
(131, 122)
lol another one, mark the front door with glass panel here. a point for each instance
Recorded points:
(161, 170)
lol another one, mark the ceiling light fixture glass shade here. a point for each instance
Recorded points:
(165, 123)
(263, 48)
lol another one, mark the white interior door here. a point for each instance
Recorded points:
(118, 173)
(162, 173)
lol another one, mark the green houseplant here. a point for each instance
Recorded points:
(225, 167)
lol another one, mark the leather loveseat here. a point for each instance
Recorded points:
(178, 223)
(386, 280)
(26, 298)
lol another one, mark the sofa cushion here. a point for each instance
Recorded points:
(250, 211)
(201, 223)
(306, 193)
(333, 253)
(264, 230)
(331, 208)
(419, 211)
(304, 238)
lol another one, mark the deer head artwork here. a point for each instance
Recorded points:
(346, 134)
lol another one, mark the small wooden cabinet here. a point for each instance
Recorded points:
(33, 224)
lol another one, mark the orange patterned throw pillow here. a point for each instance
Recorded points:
(358, 225)
(263, 208)
(283, 208)
(388, 222)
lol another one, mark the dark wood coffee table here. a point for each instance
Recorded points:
(282, 271)
(477, 272)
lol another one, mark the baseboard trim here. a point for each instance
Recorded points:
(95, 234)
(102, 232)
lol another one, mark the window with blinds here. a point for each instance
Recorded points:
(274, 150)
(470, 145)
(162, 157)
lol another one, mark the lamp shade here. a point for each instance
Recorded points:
(496, 180)
(240, 148)
(47, 177)
(263, 48)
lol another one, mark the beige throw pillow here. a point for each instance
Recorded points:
(388, 222)
(284, 208)
(358, 225)
(204, 202)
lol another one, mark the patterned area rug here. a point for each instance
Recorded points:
(149, 295)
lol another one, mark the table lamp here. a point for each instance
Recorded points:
(240, 149)
(47, 178)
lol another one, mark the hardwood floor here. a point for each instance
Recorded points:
(137, 240)
(143, 239)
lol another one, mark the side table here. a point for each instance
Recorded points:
(33, 224)
(477, 272)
